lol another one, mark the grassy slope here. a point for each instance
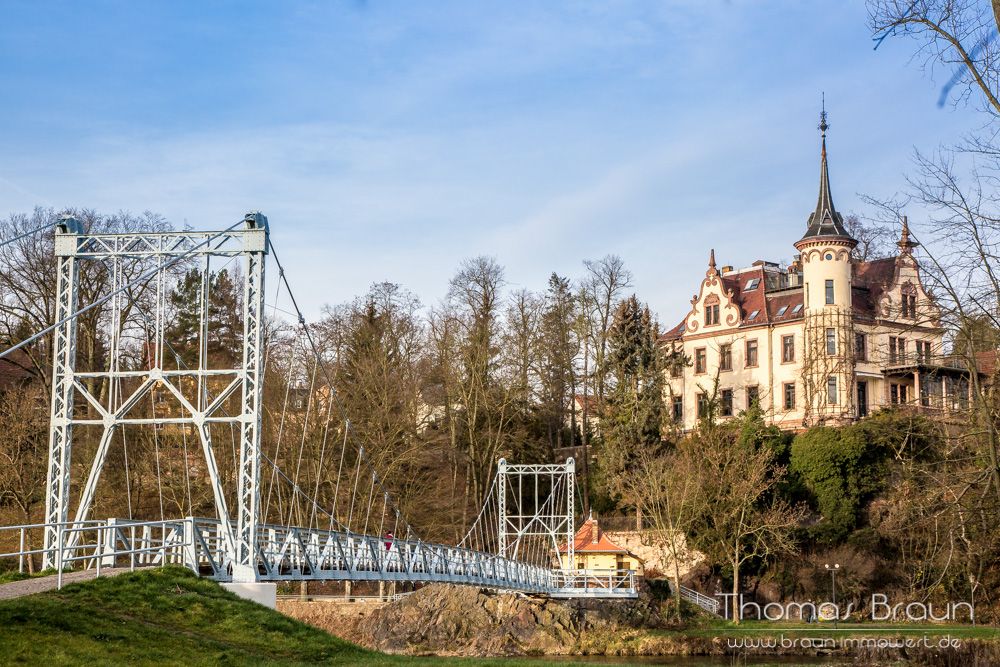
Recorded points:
(157, 617)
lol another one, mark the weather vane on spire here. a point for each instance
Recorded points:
(823, 125)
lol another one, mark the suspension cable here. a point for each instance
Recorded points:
(145, 276)
(315, 350)
(22, 235)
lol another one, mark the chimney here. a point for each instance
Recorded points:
(595, 533)
(727, 269)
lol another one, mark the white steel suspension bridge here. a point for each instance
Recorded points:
(312, 507)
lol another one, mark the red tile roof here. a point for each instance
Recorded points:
(986, 362)
(869, 281)
(591, 539)
(16, 370)
(787, 299)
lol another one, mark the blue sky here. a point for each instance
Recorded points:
(390, 140)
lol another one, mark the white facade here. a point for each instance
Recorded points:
(826, 340)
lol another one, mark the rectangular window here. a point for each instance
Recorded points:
(727, 403)
(902, 393)
(831, 341)
(751, 353)
(700, 360)
(712, 314)
(676, 370)
(831, 390)
(923, 351)
(829, 291)
(677, 409)
(753, 397)
(751, 284)
(897, 349)
(789, 395)
(726, 357)
(787, 349)
(894, 394)
(702, 406)
(909, 304)
(861, 347)
(925, 394)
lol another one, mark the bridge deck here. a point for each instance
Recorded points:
(298, 554)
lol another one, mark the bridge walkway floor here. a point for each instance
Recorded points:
(16, 589)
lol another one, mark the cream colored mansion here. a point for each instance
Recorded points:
(827, 339)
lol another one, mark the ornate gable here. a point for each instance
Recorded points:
(906, 281)
(714, 307)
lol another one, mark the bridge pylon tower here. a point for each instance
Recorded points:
(536, 501)
(143, 262)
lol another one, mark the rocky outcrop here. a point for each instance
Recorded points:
(465, 621)
(461, 620)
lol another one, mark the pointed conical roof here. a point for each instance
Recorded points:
(825, 221)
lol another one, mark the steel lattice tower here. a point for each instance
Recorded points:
(153, 255)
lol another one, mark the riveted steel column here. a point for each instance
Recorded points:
(502, 507)
(248, 492)
(63, 365)
(570, 511)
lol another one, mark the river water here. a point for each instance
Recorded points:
(701, 661)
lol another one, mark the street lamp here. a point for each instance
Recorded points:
(833, 576)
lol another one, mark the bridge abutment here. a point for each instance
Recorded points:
(264, 593)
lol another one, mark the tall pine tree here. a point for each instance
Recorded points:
(633, 416)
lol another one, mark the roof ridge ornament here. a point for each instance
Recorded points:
(823, 125)
(712, 271)
(905, 243)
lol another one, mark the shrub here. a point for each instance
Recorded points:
(843, 468)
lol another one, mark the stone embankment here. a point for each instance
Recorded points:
(461, 620)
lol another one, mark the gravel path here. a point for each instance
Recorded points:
(16, 589)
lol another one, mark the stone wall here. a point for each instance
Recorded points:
(652, 548)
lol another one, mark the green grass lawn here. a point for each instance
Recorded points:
(167, 616)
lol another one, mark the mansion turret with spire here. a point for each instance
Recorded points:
(827, 339)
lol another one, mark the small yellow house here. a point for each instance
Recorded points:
(594, 551)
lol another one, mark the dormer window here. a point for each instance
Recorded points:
(751, 284)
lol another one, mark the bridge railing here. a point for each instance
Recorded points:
(27, 534)
(295, 554)
(291, 553)
(595, 583)
(99, 545)
(707, 603)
